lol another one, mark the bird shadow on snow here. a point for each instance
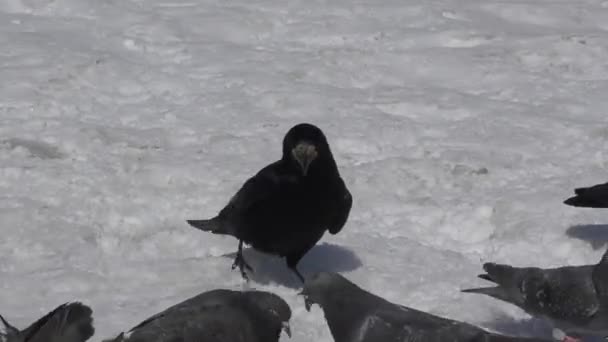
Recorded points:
(529, 327)
(594, 234)
(269, 269)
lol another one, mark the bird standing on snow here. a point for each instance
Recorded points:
(217, 316)
(355, 315)
(70, 322)
(592, 197)
(573, 298)
(287, 206)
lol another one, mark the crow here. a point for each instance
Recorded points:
(592, 197)
(355, 315)
(216, 316)
(288, 205)
(573, 298)
(70, 322)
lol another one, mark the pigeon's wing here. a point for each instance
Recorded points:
(340, 213)
(209, 324)
(71, 322)
(381, 326)
(193, 309)
(592, 197)
(562, 294)
(403, 324)
(600, 278)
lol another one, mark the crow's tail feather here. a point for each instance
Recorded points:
(213, 225)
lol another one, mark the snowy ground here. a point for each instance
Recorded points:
(459, 126)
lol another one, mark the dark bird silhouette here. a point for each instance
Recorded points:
(355, 315)
(216, 316)
(287, 206)
(70, 322)
(592, 197)
(573, 298)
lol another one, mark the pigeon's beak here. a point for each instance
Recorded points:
(558, 335)
(304, 153)
(287, 329)
(307, 302)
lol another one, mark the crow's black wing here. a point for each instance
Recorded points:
(341, 210)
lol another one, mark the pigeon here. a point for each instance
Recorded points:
(216, 316)
(287, 206)
(573, 298)
(592, 197)
(70, 322)
(355, 315)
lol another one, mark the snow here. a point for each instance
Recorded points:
(460, 126)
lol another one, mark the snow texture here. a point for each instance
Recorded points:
(459, 126)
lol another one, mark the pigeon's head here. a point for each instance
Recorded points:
(320, 288)
(273, 310)
(306, 147)
(10, 333)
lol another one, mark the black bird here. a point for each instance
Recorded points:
(592, 197)
(573, 298)
(355, 315)
(216, 316)
(287, 206)
(70, 322)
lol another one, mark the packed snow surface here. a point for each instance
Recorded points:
(459, 126)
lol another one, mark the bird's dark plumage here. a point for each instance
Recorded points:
(287, 206)
(355, 315)
(592, 197)
(574, 298)
(216, 316)
(70, 322)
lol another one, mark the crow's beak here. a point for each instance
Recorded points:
(304, 153)
(287, 329)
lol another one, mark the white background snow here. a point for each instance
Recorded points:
(459, 126)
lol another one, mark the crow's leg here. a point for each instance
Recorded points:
(239, 261)
(300, 276)
(292, 262)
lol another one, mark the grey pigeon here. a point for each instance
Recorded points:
(573, 298)
(287, 206)
(217, 316)
(355, 315)
(70, 322)
(591, 197)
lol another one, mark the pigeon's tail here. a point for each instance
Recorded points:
(68, 322)
(214, 225)
(504, 276)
